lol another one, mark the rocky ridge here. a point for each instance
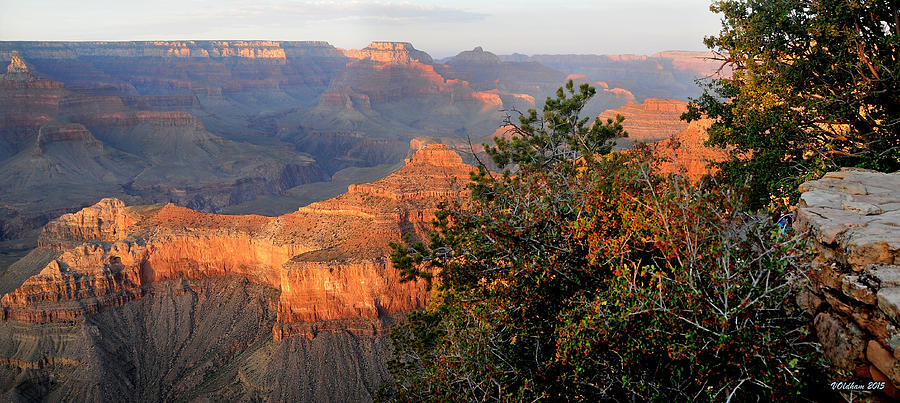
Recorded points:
(390, 52)
(853, 220)
(669, 74)
(476, 55)
(173, 49)
(652, 120)
(328, 259)
(390, 90)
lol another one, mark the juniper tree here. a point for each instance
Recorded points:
(815, 86)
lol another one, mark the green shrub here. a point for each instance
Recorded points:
(813, 86)
(589, 276)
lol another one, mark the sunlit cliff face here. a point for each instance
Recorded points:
(328, 259)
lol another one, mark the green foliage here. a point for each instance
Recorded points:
(699, 304)
(815, 86)
(579, 275)
(555, 142)
(505, 260)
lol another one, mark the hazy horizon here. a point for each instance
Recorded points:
(604, 27)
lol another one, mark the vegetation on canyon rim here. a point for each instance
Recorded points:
(814, 87)
(587, 275)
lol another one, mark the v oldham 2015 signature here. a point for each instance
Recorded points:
(857, 386)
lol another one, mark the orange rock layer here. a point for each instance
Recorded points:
(686, 152)
(654, 120)
(390, 52)
(328, 259)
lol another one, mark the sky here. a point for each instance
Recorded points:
(441, 28)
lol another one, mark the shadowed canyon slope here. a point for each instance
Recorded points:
(62, 149)
(83, 300)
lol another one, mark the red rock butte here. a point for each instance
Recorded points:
(653, 120)
(16, 65)
(390, 52)
(328, 259)
(687, 153)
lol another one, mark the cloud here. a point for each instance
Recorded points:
(376, 12)
(343, 21)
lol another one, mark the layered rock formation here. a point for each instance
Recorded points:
(853, 220)
(213, 124)
(163, 302)
(174, 49)
(653, 120)
(26, 103)
(165, 121)
(207, 339)
(16, 66)
(686, 153)
(60, 149)
(345, 108)
(390, 53)
(521, 85)
(144, 120)
(390, 90)
(327, 259)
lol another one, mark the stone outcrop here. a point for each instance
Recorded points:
(63, 132)
(16, 66)
(328, 259)
(131, 119)
(653, 120)
(26, 103)
(686, 152)
(853, 220)
(390, 52)
(106, 221)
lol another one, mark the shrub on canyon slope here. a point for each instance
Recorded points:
(815, 87)
(582, 275)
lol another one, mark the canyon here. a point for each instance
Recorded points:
(62, 149)
(317, 278)
(250, 119)
(135, 260)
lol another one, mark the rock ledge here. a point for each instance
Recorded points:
(852, 218)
